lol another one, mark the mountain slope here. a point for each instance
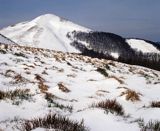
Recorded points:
(46, 31)
(52, 32)
(36, 82)
(114, 47)
(5, 40)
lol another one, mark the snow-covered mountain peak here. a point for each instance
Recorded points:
(59, 23)
(46, 31)
(49, 17)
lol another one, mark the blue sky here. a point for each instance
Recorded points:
(129, 18)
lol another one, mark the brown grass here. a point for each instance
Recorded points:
(43, 87)
(63, 88)
(110, 106)
(39, 78)
(18, 78)
(131, 95)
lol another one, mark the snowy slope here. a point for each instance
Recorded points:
(46, 31)
(5, 40)
(73, 84)
(143, 46)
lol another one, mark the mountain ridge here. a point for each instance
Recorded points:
(53, 32)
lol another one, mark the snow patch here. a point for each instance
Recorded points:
(143, 46)
(115, 55)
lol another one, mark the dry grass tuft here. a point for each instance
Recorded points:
(131, 95)
(10, 73)
(19, 54)
(151, 126)
(39, 78)
(44, 72)
(102, 71)
(63, 88)
(110, 106)
(52, 103)
(18, 93)
(122, 88)
(53, 121)
(118, 79)
(50, 96)
(18, 78)
(155, 104)
(43, 88)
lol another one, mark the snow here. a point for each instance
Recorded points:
(46, 31)
(115, 55)
(143, 46)
(86, 85)
(5, 40)
(97, 121)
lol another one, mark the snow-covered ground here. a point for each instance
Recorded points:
(143, 46)
(5, 40)
(46, 31)
(76, 82)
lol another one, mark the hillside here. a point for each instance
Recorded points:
(111, 46)
(92, 94)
